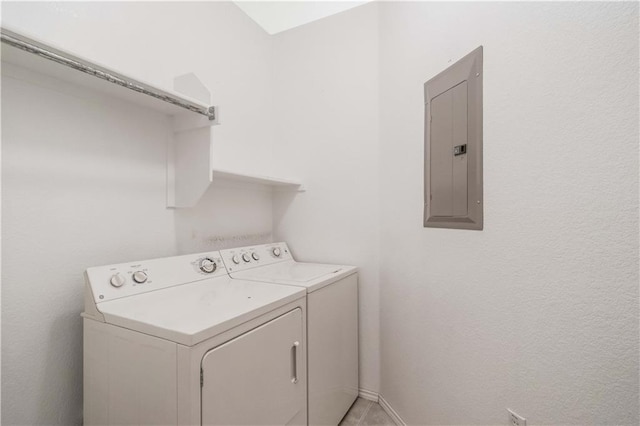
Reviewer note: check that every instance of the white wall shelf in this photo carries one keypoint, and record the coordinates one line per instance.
(274, 182)
(189, 160)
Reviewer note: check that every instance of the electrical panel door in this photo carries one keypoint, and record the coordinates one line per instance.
(453, 146)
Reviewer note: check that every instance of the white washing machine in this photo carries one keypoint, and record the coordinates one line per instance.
(176, 341)
(332, 321)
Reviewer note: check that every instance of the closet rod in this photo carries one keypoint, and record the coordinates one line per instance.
(51, 54)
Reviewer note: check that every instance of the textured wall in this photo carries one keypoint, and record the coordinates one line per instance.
(84, 177)
(326, 115)
(76, 193)
(538, 312)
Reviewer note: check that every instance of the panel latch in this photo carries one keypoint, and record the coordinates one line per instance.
(460, 149)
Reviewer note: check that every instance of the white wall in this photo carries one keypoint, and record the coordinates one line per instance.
(76, 193)
(326, 105)
(539, 311)
(278, 16)
(83, 177)
(227, 216)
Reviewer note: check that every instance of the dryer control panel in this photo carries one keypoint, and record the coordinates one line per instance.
(242, 258)
(129, 279)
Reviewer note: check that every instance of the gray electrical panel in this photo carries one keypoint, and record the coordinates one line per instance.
(453, 146)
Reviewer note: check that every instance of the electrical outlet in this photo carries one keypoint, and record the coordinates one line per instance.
(516, 420)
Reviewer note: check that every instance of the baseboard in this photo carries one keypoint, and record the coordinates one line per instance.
(376, 397)
(390, 411)
(368, 395)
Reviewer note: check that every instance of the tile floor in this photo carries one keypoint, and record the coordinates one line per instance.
(366, 413)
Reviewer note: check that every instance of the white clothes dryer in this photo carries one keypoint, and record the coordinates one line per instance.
(175, 341)
(332, 321)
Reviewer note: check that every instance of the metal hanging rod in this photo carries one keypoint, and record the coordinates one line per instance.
(51, 54)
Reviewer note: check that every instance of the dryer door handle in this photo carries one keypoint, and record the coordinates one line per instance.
(294, 362)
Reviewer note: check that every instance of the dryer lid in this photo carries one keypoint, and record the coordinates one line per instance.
(190, 313)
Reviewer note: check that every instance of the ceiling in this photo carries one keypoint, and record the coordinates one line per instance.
(278, 16)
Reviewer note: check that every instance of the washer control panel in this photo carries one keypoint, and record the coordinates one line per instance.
(242, 258)
(129, 279)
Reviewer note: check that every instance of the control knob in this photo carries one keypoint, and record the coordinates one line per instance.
(235, 259)
(246, 257)
(117, 280)
(276, 251)
(255, 256)
(208, 265)
(140, 277)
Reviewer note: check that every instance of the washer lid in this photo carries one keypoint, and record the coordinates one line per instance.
(190, 313)
(309, 275)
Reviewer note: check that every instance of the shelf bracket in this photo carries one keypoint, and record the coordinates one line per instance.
(189, 153)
